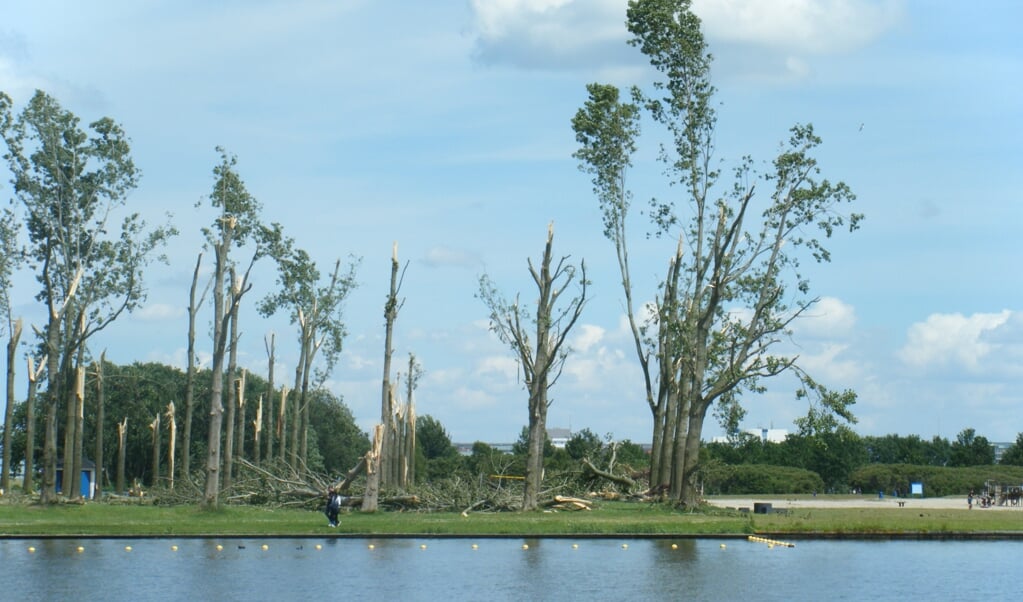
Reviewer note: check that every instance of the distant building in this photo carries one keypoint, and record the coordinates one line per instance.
(559, 436)
(1000, 449)
(765, 435)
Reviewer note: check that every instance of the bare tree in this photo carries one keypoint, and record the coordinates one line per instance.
(390, 457)
(190, 370)
(541, 358)
(271, 346)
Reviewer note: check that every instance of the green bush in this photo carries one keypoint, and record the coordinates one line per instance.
(754, 479)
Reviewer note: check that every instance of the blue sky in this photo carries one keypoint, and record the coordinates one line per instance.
(445, 127)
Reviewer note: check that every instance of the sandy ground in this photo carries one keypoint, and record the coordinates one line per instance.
(859, 502)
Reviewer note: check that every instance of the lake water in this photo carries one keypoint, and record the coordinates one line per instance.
(446, 570)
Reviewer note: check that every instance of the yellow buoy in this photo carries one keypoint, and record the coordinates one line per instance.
(319, 547)
(127, 548)
(371, 546)
(475, 547)
(525, 546)
(575, 546)
(422, 547)
(625, 546)
(674, 546)
(174, 548)
(31, 550)
(219, 547)
(265, 547)
(723, 546)
(81, 549)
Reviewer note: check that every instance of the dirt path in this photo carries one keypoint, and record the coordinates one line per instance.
(851, 502)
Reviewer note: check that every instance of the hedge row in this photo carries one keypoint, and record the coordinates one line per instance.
(938, 481)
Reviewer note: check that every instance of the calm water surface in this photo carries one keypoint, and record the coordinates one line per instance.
(501, 569)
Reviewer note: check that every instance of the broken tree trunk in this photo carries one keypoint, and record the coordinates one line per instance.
(369, 501)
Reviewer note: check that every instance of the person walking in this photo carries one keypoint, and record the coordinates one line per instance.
(333, 507)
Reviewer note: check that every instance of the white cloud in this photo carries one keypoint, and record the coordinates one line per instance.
(827, 367)
(801, 26)
(829, 317)
(557, 34)
(442, 256)
(504, 366)
(587, 336)
(472, 399)
(954, 341)
(549, 33)
(159, 312)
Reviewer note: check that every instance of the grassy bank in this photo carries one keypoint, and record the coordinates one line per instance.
(606, 519)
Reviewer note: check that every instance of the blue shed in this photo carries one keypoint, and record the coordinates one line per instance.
(88, 478)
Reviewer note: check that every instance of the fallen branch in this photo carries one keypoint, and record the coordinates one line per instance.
(617, 479)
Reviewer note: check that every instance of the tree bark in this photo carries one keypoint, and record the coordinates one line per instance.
(155, 427)
(12, 348)
(232, 386)
(388, 459)
(268, 443)
(122, 443)
(100, 419)
(211, 497)
(193, 308)
(78, 439)
(370, 497)
(28, 480)
(172, 440)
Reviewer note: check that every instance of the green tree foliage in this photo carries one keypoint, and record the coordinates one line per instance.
(1014, 455)
(139, 391)
(894, 449)
(316, 308)
(700, 351)
(971, 449)
(485, 461)
(584, 444)
(437, 456)
(339, 441)
(71, 183)
(939, 452)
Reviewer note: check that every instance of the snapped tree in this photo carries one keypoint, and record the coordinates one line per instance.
(542, 356)
(316, 307)
(237, 223)
(732, 286)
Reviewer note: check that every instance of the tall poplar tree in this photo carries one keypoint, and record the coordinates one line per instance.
(71, 183)
(732, 286)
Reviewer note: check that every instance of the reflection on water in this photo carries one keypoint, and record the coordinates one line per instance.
(445, 570)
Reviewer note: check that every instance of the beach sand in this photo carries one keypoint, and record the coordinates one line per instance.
(852, 502)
